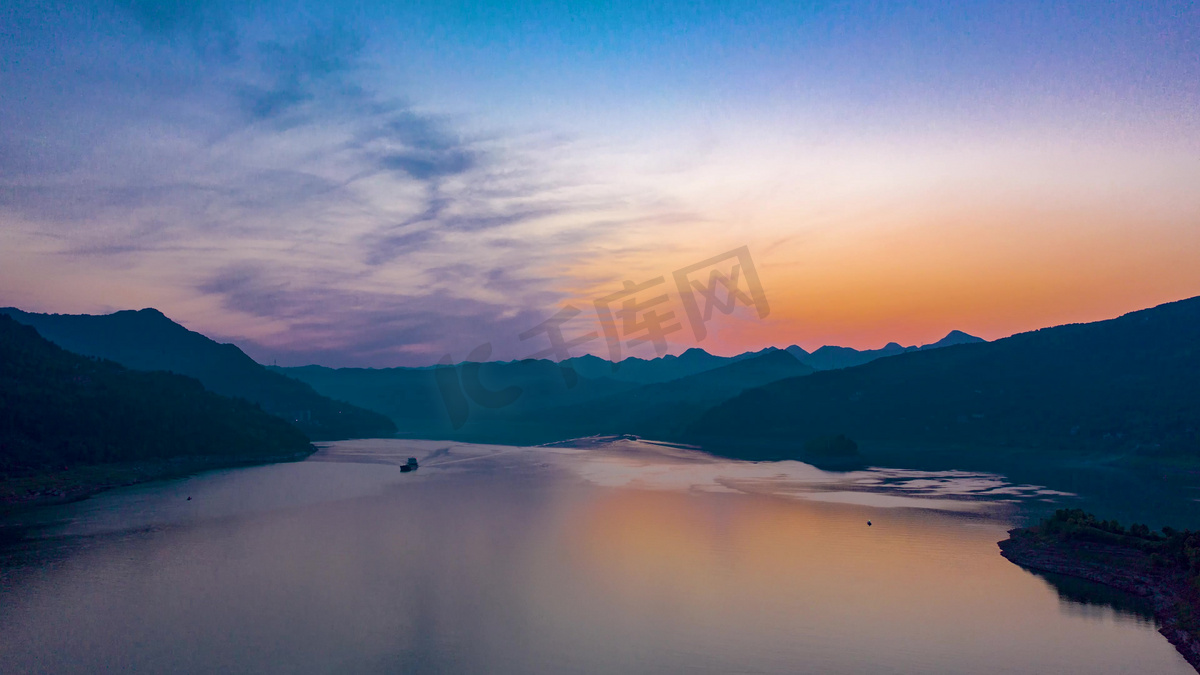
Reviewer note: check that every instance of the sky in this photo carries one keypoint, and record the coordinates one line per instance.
(384, 184)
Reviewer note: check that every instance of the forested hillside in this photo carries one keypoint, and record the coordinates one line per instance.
(148, 340)
(59, 408)
(1129, 385)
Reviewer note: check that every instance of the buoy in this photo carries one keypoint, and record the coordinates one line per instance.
(189, 499)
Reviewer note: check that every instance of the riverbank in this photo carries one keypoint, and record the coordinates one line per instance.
(22, 491)
(1174, 598)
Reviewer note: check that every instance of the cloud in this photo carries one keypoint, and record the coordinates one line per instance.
(390, 247)
(387, 328)
(428, 166)
(254, 168)
(300, 71)
(244, 287)
(208, 26)
(423, 148)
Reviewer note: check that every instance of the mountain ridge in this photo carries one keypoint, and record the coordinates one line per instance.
(147, 340)
(58, 407)
(1124, 385)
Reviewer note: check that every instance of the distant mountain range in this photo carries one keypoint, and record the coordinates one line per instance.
(695, 360)
(670, 398)
(649, 397)
(649, 371)
(835, 358)
(58, 408)
(420, 400)
(660, 410)
(1127, 385)
(148, 341)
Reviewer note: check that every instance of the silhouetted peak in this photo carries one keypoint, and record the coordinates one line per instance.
(833, 349)
(955, 337)
(149, 315)
(773, 356)
(148, 340)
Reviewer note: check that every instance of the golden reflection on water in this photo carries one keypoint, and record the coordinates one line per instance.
(916, 589)
(521, 567)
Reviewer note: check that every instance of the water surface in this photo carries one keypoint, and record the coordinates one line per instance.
(605, 557)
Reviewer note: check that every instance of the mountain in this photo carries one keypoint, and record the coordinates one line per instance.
(834, 358)
(57, 407)
(544, 403)
(148, 341)
(662, 410)
(418, 400)
(648, 371)
(955, 337)
(1127, 385)
(415, 401)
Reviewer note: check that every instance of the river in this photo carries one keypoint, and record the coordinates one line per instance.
(597, 557)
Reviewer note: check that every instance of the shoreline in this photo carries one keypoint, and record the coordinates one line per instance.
(1173, 599)
(24, 493)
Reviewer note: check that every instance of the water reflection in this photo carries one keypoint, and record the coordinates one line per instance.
(1093, 600)
(552, 560)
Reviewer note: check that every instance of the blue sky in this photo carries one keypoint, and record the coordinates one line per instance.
(382, 183)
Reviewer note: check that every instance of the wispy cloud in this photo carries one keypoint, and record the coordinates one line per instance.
(295, 73)
(262, 171)
(388, 327)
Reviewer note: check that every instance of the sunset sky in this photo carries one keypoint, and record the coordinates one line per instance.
(381, 183)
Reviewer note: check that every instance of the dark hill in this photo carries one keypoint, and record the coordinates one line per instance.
(412, 398)
(661, 410)
(648, 371)
(57, 407)
(954, 337)
(834, 358)
(146, 340)
(550, 406)
(1127, 385)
